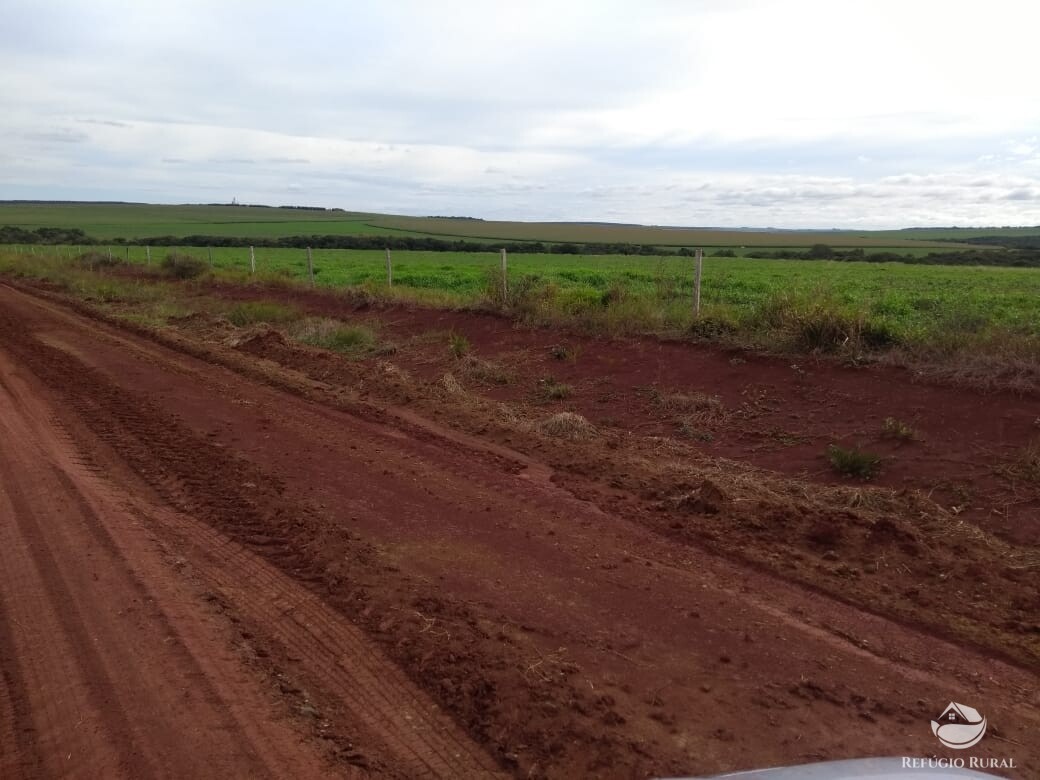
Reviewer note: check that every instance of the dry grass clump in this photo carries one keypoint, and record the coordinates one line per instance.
(565, 352)
(688, 402)
(696, 413)
(897, 429)
(458, 345)
(482, 370)
(451, 384)
(551, 390)
(567, 425)
(1026, 466)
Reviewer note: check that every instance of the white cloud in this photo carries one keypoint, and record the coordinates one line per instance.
(731, 113)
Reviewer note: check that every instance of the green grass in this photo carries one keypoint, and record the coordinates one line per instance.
(936, 312)
(906, 299)
(351, 340)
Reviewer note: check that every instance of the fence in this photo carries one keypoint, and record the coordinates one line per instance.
(463, 273)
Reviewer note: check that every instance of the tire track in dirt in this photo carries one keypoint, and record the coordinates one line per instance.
(99, 694)
(109, 684)
(334, 655)
(18, 750)
(402, 724)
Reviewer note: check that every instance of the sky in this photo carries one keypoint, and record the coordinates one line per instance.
(743, 113)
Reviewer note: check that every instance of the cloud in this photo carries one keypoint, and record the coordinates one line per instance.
(727, 113)
(58, 135)
(106, 122)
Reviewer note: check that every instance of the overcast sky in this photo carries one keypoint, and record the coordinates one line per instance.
(787, 114)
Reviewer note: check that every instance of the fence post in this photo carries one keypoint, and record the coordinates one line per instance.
(209, 253)
(110, 253)
(310, 266)
(699, 259)
(252, 261)
(128, 254)
(389, 269)
(147, 255)
(505, 277)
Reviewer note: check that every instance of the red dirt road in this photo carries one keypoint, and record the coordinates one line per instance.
(204, 575)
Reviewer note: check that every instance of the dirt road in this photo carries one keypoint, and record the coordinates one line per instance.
(204, 575)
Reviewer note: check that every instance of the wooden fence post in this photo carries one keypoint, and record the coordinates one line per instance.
(209, 252)
(699, 259)
(147, 255)
(389, 269)
(310, 266)
(505, 277)
(128, 254)
(252, 261)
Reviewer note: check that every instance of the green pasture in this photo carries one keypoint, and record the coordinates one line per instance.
(909, 300)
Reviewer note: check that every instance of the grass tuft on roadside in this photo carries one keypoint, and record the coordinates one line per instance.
(853, 462)
(567, 425)
(351, 340)
(253, 312)
(897, 430)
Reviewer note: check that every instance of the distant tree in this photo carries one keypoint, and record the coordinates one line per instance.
(821, 252)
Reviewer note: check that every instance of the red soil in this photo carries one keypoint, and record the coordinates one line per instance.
(293, 577)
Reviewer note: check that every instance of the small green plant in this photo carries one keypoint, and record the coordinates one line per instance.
(853, 462)
(898, 430)
(551, 390)
(458, 345)
(251, 312)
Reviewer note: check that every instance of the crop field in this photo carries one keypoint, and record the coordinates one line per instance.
(107, 221)
(657, 236)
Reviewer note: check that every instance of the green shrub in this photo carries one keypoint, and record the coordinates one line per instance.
(181, 266)
(816, 321)
(853, 462)
(713, 326)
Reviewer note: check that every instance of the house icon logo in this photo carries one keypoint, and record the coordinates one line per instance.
(959, 726)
